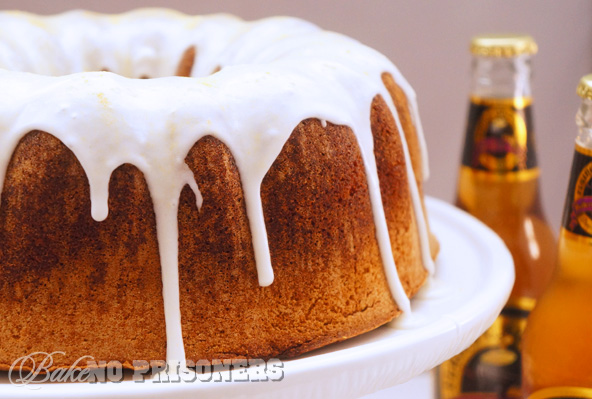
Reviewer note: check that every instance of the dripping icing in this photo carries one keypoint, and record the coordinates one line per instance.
(283, 69)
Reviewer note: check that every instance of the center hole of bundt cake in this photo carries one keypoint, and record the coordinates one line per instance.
(186, 62)
(184, 67)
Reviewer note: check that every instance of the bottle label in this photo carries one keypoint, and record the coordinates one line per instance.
(490, 367)
(499, 139)
(562, 393)
(577, 216)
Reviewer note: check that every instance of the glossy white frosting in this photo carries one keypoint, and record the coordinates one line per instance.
(275, 73)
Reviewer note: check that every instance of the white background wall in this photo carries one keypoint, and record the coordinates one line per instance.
(428, 40)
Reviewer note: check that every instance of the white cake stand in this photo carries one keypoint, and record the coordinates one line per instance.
(474, 278)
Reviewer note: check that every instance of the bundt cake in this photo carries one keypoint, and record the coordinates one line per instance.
(264, 203)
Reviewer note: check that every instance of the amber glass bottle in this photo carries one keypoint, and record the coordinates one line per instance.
(557, 350)
(499, 184)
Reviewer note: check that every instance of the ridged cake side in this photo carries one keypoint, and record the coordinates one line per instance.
(94, 288)
(265, 210)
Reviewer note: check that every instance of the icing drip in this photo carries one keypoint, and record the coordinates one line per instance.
(296, 70)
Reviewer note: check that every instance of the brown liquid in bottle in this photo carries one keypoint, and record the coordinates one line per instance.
(499, 185)
(557, 349)
(509, 204)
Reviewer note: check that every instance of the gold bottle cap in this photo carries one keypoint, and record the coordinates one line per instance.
(505, 45)
(584, 89)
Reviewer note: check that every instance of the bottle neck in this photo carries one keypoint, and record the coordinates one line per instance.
(575, 240)
(584, 122)
(495, 77)
(499, 165)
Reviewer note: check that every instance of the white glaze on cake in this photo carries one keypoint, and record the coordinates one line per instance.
(275, 73)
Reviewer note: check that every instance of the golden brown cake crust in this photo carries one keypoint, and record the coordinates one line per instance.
(94, 288)
(72, 284)
(329, 278)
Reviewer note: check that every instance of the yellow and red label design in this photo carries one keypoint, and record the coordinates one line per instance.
(577, 216)
(491, 367)
(499, 137)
